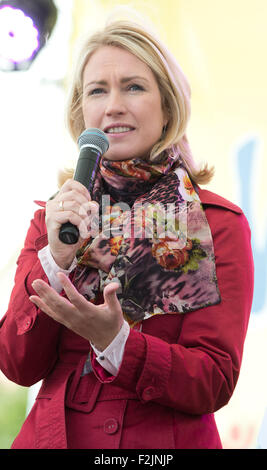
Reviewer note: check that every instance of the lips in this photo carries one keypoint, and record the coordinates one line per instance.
(118, 129)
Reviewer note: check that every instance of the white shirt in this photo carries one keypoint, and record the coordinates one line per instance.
(112, 356)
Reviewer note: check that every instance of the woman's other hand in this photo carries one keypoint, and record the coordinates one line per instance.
(71, 204)
(99, 324)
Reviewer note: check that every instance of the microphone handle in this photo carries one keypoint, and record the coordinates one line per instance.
(85, 173)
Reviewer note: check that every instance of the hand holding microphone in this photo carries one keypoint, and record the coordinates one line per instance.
(93, 143)
(63, 213)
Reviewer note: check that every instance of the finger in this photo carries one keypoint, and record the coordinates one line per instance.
(41, 286)
(73, 196)
(61, 214)
(42, 305)
(62, 314)
(70, 204)
(73, 295)
(53, 304)
(89, 226)
(49, 296)
(89, 207)
(75, 213)
(66, 216)
(54, 224)
(110, 296)
(72, 185)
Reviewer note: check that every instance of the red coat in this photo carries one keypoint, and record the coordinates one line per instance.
(174, 375)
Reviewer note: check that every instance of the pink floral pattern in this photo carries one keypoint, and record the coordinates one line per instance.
(158, 271)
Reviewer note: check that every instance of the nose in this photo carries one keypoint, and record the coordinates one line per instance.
(115, 104)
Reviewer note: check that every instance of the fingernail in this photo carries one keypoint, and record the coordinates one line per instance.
(36, 284)
(60, 276)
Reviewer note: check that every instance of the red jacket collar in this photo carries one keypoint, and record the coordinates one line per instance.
(210, 198)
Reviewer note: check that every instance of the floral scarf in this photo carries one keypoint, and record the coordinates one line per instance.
(155, 241)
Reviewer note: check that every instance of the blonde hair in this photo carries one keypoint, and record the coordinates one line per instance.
(173, 85)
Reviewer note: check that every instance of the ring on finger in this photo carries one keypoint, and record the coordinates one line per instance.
(61, 205)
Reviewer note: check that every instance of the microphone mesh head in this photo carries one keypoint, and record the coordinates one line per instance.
(94, 137)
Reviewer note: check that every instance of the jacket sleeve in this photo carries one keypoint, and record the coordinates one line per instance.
(198, 374)
(28, 337)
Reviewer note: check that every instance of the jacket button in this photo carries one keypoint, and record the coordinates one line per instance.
(26, 325)
(111, 426)
(148, 393)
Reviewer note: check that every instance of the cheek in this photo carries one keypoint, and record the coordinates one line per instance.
(87, 119)
(85, 113)
(89, 115)
(154, 124)
(154, 115)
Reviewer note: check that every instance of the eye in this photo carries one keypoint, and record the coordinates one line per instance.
(96, 91)
(135, 87)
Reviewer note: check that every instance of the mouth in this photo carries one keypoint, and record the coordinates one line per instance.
(119, 129)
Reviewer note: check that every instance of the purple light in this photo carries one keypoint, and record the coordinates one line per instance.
(18, 35)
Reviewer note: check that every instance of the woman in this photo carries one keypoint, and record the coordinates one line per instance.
(137, 335)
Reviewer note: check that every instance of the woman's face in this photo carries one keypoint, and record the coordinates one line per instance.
(122, 98)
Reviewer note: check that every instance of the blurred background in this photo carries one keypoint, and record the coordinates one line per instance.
(221, 48)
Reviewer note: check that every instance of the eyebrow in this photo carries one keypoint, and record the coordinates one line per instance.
(123, 80)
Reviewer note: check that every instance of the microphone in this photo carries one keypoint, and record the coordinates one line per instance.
(93, 143)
